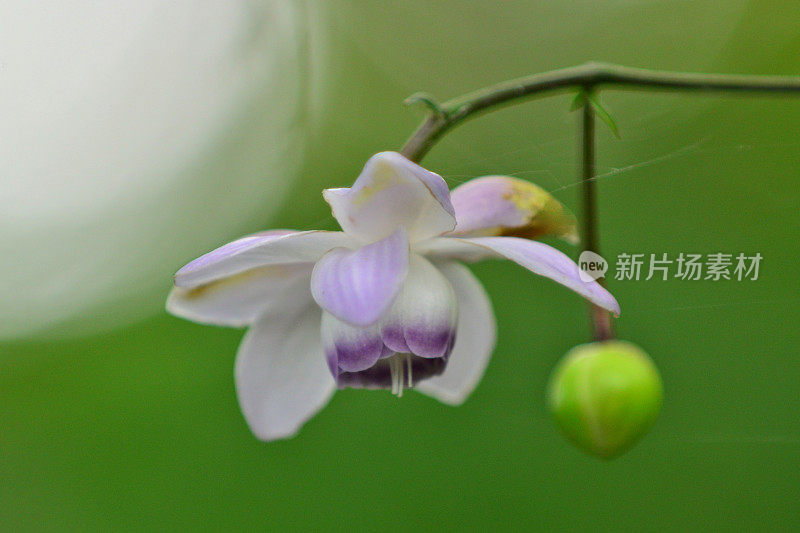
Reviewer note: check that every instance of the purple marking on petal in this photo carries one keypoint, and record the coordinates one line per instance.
(349, 348)
(424, 316)
(360, 355)
(430, 341)
(424, 340)
(359, 286)
(392, 335)
(387, 352)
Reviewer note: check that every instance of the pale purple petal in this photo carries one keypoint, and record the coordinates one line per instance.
(233, 248)
(257, 251)
(504, 205)
(350, 348)
(537, 257)
(474, 343)
(390, 192)
(359, 286)
(281, 376)
(240, 299)
(483, 204)
(422, 320)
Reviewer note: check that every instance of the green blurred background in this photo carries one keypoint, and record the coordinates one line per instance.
(137, 428)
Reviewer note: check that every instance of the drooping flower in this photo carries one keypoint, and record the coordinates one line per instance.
(385, 303)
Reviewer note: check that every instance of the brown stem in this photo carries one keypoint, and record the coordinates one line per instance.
(601, 319)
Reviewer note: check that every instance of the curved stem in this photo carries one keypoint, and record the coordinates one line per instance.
(589, 78)
(590, 75)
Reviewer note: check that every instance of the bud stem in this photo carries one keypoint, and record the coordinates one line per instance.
(600, 318)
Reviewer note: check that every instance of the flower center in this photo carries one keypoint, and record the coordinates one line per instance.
(400, 368)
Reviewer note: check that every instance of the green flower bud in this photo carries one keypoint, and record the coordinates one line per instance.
(605, 396)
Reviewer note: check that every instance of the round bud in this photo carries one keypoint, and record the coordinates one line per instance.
(605, 396)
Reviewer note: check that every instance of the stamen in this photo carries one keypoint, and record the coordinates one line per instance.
(400, 376)
(393, 370)
(401, 373)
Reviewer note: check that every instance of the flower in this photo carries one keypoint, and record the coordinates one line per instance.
(385, 303)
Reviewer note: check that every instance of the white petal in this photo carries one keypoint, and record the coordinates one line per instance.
(259, 250)
(475, 339)
(359, 286)
(281, 376)
(240, 299)
(537, 257)
(392, 191)
(422, 320)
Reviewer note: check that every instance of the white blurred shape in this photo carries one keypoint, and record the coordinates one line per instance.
(133, 136)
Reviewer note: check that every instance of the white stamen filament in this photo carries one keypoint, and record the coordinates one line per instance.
(393, 370)
(399, 371)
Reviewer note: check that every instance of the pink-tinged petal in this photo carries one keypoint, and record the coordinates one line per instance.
(390, 192)
(475, 339)
(537, 257)
(257, 251)
(281, 376)
(502, 205)
(359, 286)
(240, 299)
(350, 348)
(422, 320)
